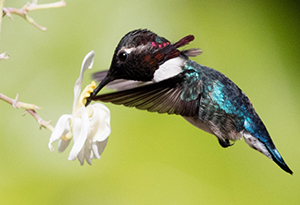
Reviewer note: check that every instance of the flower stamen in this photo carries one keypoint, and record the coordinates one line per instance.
(87, 92)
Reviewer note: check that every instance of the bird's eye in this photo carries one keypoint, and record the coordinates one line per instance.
(122, 56)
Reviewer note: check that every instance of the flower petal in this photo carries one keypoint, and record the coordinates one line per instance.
(98, 148)
(87, 63)
(80, 133)
(63, 144)
(99, 129)
(100, 123)
(62, 127)
(87, 151)
(95, 153)
(101, 146)
(80, 157)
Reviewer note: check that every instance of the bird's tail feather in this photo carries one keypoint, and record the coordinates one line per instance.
(279, 160)
(268, 149)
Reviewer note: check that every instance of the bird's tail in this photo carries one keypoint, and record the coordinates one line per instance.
(267, 147)
(279, 160)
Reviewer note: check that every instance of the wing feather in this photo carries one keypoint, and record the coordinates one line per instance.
(161, 97)
(119, 84)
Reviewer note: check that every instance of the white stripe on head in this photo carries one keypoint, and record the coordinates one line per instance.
(128, 50)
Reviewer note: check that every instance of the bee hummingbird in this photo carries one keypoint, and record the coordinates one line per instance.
(150, 73)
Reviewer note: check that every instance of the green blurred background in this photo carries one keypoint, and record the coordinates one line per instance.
(151, 158)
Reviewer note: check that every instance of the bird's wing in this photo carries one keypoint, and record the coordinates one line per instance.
(119, 84)
(172, 96)
(99, 76)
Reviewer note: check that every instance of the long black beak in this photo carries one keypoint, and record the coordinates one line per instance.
(108, 78)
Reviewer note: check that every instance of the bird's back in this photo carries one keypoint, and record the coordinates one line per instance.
(225, 111)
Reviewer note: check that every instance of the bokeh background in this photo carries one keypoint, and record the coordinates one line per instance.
(151, 158)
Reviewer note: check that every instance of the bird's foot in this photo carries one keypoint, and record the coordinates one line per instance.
(225, 143)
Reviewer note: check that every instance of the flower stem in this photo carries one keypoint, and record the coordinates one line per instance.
(1, 13)
(30, 108)
(32, 7)
(23, 12)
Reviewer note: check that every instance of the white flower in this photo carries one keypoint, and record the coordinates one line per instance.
(89, 126)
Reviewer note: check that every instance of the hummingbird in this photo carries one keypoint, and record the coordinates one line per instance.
(151, 73)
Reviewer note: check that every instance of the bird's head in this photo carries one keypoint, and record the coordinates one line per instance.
(139, 54)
